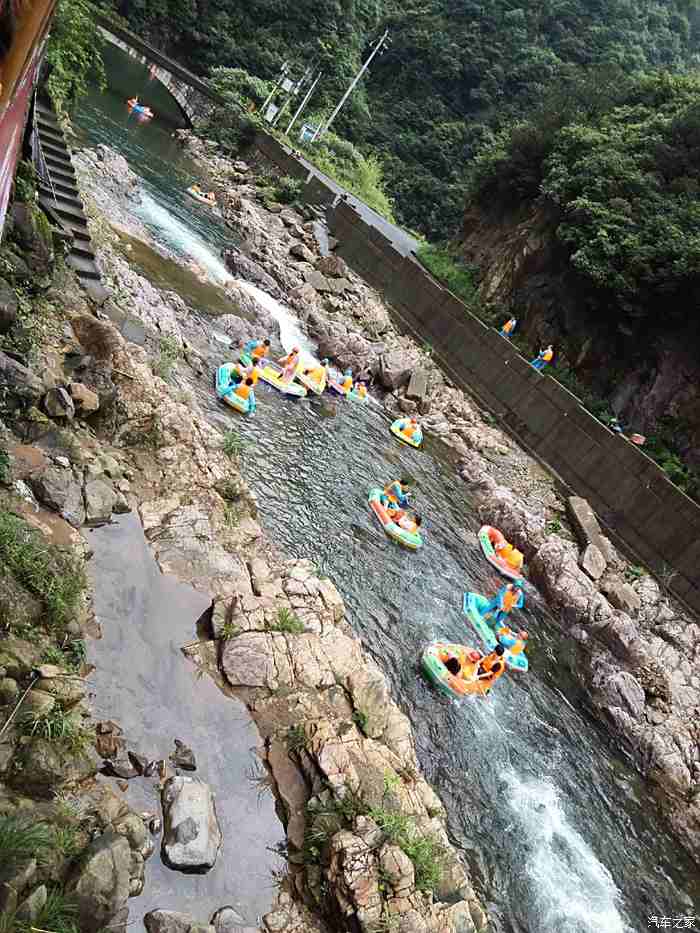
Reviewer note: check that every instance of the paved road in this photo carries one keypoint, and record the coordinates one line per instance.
(403, 242)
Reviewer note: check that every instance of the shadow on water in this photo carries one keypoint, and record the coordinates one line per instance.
(558, 830)
(144, 682)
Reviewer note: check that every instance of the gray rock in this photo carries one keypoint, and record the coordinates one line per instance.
(121, 767)
(100, 499)
(592, 562)
(140, 762)
(333, 266)
(619, 689)
(183, 757)
(8, 306)
(100, 883)
(417, 389)
(59, 404)
(394, 369)
(620, 594)
(397, 868)
(56, 488)
(192, 836)
(30, 908)
(338, 286)
(9, 691)
(36, 704)
(227, 920)
(18, 381)
(300, 251)
(584, 522)
(135, 831)
(371, 698)
(318, 281)
(17, 881)
(168, 921)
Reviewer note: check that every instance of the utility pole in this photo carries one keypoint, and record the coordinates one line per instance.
(280, 79)
(292, 92)
(378, 47)
(303, 103)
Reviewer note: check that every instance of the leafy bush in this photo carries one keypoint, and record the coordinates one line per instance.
(288, 622)
(21, 839)
(59, 726)
(287, 190)
(53, 575)
(424, 851)
(448, 269)
(169, 352)
(232, 444)
(74, 54)
(5, 471)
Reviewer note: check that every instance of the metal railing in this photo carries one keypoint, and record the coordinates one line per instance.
(38, 159)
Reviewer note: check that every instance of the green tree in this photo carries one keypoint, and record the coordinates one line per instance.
(74, 53)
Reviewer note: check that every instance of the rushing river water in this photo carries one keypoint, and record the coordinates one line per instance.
(559, 832)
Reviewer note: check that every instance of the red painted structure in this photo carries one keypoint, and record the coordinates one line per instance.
(24, 29)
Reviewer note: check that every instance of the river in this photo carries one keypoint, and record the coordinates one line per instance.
(559, 831)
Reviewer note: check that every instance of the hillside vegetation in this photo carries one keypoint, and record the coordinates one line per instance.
(456, 69)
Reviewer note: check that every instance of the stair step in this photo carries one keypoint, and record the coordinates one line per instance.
(83, 248)
(49, 131)
(55, 149)
(85, 268)
(59, 189)
(62, 165)
(60, 174)
(75, 217)
(47, 116)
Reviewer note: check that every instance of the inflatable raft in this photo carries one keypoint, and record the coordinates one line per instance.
(488, 538)
(200, 197)
(313, 385)
(402, 437)
(271, 373)
(225, 392)
(474, 606)
(409, 539)
(335, 384)
(433, 664)
(356, 397)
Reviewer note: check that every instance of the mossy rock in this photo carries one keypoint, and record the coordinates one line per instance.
(17, 606)
(18, 656)
(47, 766)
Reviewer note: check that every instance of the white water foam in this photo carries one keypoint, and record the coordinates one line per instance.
(291, 334)
(573, 890)
(181, 238)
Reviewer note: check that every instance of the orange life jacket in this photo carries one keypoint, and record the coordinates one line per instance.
(347, 383)
(547, 355)
(361, 391)
(409, 430)
(259, 352)
(254, 374)
(510, 598)
(509, 325)
(243, 390)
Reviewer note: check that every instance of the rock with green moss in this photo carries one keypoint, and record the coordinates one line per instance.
(18, 656)
(8, 306)
(18, 608)
(9, 691)
(49, 765)
(100, 882)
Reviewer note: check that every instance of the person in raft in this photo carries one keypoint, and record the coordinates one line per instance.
(347, 380)
(396, 493)
(508, 328)
(512, 641)
(257, 349)
(235, 377)
(401, 518)
(317, 372)
(409, 428)
(361, 389)
(507, 599)
(245, 390)
(511, 555)
(133, 101)
(289, 362)
(491, 667)
(543, 357)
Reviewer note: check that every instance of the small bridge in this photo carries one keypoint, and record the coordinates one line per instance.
(193, 95)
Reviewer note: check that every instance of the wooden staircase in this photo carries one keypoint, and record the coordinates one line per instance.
(59, 197)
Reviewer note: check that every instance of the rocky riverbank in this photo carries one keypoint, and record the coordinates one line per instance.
(638, 652)
(93, 429)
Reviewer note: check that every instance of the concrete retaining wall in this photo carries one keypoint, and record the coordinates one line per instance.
(631, 494)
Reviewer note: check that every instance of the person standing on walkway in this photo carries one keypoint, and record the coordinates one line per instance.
(542, 358)
(508, 328)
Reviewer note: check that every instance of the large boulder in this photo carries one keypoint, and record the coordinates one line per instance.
(17, 656)
(302, 252)
(51, 765)
(100, 882)
(16, 381)
(8, 306)
(584, 522)
(354, 880)
(172, 921)
(620, 594)
(592, 562)
(57, 488)
(240, 266)
(59, 404)
(192, 837)
(333, 266)
(371, 699)
(395, 368)
(616, 689)
(85, 400)
(100, 499)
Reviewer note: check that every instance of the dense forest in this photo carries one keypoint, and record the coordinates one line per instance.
(455, 70)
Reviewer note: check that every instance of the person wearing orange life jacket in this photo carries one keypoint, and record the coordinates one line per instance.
(403, 519)
(245, 391)
(543, 357)
(396, 492)
(510, 597)
(257, 349)
(508, 328)
(290, 362)
(133, 101)
(514, 642)
(317, 373)
(512, 556)
(409, 428)
(346, 384)
(361, 389)
(491, 667)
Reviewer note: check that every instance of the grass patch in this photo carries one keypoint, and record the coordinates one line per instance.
(634, 572)
(448, 269)
(296, 738)
(67, 840)
(54, 575)
(21, 840)
(229, 631)
(553, 527)
(287, 622)
(59, 727)
(232, 444)
(169, 352)
(424, 851)
(58, 915)
(359, 717)
(232, 514)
